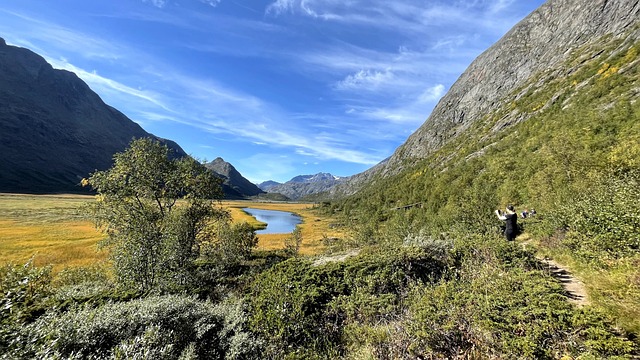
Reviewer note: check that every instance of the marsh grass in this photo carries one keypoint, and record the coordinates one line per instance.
(58, 230)
(53, 229)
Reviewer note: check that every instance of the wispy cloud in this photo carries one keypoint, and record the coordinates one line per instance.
(432, 94)
(106, 85)
(60, 37)
(157, 3)
(320, 80)
(365, 80)
(162, 3)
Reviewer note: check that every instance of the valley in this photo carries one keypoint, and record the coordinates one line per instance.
(57, 229)
(405, 260)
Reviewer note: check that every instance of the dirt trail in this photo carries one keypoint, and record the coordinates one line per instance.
(575, 290)
(336, 257)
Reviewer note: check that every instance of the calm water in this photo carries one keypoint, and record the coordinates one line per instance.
(278, 222)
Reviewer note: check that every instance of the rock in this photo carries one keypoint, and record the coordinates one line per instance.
(540, 42)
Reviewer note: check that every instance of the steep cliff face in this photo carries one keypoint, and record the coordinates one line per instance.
(539, 43)
(54, 130)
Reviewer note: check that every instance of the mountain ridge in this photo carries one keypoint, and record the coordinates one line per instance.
(234, 185)
(56, 130)
(541, 41)
(303, 185)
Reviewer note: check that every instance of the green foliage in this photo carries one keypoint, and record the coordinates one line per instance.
(584, 123)
(493, 301)
(292, 243)
(603, 224)
(154, 240)
(228, 245)
(301, 308)
(24, 289)
(519, 313)
(158, 327)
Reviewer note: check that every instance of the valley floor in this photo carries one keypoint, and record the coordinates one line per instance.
(57, 230)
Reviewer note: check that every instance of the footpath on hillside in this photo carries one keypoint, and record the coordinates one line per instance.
(575, 290)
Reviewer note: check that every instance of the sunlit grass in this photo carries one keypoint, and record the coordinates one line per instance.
(54, 230)
(57, 229)
(615, 290)
(314, 228)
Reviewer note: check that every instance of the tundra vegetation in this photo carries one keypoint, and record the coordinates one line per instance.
(435, 281)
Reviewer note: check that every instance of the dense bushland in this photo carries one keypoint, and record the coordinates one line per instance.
(573, 157)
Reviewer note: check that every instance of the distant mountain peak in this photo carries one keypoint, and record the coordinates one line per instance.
(234, 184)
(303, 185)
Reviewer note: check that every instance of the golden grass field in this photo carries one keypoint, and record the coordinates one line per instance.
(56, 230)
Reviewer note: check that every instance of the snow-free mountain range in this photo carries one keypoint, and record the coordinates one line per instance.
(54, 130)
(303, 185)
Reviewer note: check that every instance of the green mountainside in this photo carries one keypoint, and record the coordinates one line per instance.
(577, 126)
(537, 49)
(567, 143)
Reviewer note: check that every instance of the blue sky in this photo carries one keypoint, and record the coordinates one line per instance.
(278, 88)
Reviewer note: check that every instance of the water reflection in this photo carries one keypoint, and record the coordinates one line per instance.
(278, 222)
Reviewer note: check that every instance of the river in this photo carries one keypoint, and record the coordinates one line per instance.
(278, 222)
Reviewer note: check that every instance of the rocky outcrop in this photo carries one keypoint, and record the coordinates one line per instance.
(541, 42)
(234, 185)
(54, 130)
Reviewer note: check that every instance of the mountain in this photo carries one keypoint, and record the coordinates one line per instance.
(234, 185)
(537, 50)
(54, 130)
(303, 185)
(319, 177)
(266, 185)
(547, 118)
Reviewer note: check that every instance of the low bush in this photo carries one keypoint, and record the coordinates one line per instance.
(158, 327)
(24, 290)
(301, 308)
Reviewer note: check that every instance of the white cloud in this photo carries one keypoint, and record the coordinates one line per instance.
(500, 5)
(212, 3)
(432, 94)
(162, 3)
(365, 80)
(157, 3)
(103, 84)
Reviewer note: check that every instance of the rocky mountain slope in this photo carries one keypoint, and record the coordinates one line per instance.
(54, 130)
(304, 185)
(234, 186)
(539, 44)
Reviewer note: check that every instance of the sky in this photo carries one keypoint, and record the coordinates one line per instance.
(278, 88)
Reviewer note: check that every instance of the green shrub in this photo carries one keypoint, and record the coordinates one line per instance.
(499, 304)
(165, 327)
(24, 290)
(604, 222)
(299, 307)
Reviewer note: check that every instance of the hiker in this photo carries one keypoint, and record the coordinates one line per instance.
(511, 222)
(524, 214)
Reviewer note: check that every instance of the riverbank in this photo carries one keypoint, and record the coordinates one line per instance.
(314, 228)
(57, 229)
